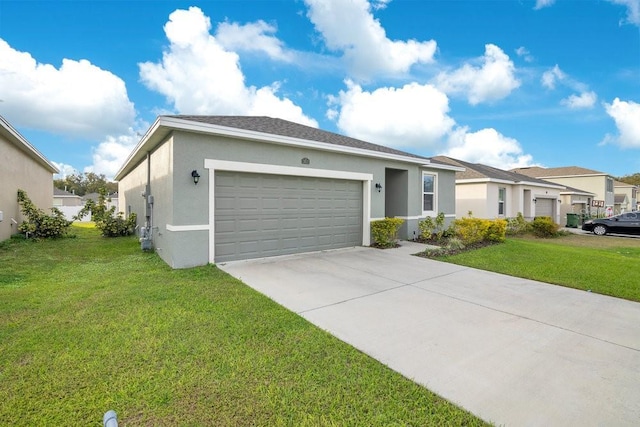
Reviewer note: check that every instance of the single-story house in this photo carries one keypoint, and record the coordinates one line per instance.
(210, 189)
(575, 201)
(490, 192)
(112, 200)
(25, 168)
(65, 198)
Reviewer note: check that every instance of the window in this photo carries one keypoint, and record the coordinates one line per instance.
(428, 192)
(502, 197)
(609, 185)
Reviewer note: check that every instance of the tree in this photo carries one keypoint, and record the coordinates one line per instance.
(86, 183)
(630, 179)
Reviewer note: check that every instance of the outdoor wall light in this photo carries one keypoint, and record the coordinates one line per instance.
(196, 176)
(534, 200)
(378, 186)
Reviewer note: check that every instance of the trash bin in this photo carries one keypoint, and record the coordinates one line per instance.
(572, 220)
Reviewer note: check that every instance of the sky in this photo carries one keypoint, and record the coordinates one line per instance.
(506, 83)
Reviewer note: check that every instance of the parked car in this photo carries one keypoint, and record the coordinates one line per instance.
(626, 223)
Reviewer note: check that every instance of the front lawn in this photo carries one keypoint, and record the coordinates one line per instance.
(89, 324)
(606, 265)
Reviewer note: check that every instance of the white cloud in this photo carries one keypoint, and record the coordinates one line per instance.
(487, 146)
(540, 4)
(78, 99)
(252, 37)
(65, 170)
(111, 153)
(199, 76)
(584, 100)
(493, 80)
(633, 10)
(350, 27)
(414, 116)
(552, 76)
(626, 114)
(524, 53)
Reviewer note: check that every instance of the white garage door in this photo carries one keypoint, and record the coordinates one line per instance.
(261, 215)
(544, 207)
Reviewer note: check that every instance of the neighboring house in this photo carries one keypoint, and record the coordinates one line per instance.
(23, 167)
(222, 188)
(490, 192)
(631, 193)
(588, 180)
(69, 204)
(574, 200)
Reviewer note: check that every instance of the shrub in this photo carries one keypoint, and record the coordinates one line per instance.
(543, 226)
(385, 232)
(432, 229)
(476, 230)
(517, 226)
(38, 224)
(110, 224)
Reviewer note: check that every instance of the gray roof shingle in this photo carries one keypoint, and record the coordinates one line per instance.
(275, 126)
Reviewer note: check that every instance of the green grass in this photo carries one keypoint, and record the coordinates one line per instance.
(606, 265)
(89, 324)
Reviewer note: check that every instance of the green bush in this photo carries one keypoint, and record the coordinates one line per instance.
(431, 229)
(543, 226)
(517, 226)
(385, 232)
(110, 224)
(475, 230)
(38, 224)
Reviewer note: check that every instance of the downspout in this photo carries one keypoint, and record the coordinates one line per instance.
(146, 241)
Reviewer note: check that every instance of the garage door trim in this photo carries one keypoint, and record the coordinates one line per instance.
(224, 165)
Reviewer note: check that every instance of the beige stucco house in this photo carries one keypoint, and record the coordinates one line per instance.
(23, 167)
(600, 184)
(490, 192)
(626, 197)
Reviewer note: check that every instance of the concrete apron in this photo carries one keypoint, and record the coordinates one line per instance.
(512, 351)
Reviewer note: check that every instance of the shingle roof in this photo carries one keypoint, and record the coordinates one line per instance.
(275, 126)
(480, 171)
(63, 193)
(619, 198)
(538, 172)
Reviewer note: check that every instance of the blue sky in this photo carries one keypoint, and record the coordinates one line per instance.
(507, 83)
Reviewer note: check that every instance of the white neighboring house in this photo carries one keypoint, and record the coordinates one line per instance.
(112, 200)
(490, 192)
(626, 197)
(25, 168)
(68, 203)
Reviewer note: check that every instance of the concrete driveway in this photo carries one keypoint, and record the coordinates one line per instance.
(512, 351)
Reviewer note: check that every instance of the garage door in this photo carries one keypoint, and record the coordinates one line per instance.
(261, 215)
(544, 207)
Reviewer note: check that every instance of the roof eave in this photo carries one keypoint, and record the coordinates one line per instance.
(20, 140)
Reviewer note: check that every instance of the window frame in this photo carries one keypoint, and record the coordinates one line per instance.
(502, 203)
(434, 193)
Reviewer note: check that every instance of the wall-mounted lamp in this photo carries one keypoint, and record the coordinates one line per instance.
(378, 186)
(196, 176)
(534, 200)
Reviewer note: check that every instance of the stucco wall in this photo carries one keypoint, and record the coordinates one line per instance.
(21, 171)
(181, 208)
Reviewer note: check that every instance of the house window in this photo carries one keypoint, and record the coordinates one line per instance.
(502, 197)
(609, 185)
(428, 192)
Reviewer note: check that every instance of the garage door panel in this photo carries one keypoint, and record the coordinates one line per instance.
(264, 215)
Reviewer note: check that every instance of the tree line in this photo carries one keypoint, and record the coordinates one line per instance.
(86, 183)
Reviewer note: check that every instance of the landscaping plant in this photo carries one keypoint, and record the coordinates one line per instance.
(385, 232)
(107, 221)
(38, 224)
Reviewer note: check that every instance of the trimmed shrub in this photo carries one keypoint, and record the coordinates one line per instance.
(543, 226)
(432, 229)
(38, 224)
(517, 226)
(385, 232)
(476, 230)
